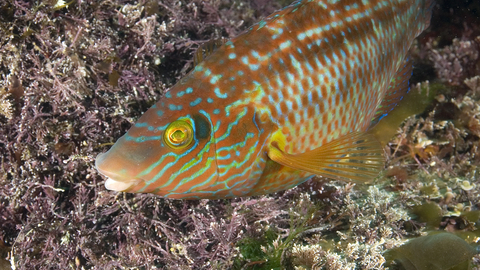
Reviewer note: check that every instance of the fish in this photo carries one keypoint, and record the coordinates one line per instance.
(294, 96)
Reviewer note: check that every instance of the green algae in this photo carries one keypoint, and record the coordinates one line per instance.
(271, 247)
(437, 251)
(251, 251)
(429, 213)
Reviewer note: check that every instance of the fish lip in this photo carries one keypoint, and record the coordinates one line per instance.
(120, 185)
(114, 185)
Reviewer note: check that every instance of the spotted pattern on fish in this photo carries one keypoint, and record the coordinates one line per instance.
(306, 76)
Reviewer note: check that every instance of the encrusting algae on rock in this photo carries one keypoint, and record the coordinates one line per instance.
(292, 97)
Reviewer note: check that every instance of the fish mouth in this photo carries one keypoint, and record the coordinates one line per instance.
(116, 181)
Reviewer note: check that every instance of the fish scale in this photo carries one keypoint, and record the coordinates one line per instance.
(291, 97)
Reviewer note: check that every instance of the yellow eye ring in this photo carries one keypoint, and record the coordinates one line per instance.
(178, 135)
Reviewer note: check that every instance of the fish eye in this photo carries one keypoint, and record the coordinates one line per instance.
(178, 135)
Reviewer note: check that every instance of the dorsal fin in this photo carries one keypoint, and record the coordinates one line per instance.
(427, 12)
(206, 49)
(398, 87)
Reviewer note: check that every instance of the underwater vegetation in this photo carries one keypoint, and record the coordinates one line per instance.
(74, 78)
(437, 251)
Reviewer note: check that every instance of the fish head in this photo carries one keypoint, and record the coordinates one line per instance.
(170, 152)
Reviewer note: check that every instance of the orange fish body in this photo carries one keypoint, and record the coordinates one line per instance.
(290, 98)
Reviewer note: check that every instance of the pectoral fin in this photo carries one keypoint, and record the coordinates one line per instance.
(357, 156)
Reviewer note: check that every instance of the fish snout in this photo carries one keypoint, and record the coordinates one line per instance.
(118, 176)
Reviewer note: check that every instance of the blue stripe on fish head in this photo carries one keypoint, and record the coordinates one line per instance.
(170, 151)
